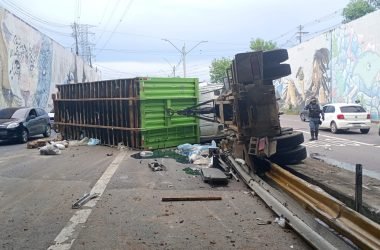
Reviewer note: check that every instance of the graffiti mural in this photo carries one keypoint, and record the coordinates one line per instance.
(342, 65)
(31, 64)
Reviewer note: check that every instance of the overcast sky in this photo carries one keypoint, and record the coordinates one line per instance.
(128, 33)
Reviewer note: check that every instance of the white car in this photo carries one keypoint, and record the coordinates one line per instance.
(345, 116)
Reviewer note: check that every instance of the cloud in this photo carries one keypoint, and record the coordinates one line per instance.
(131, 69)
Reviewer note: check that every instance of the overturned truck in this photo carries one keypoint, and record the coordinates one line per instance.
(248, 108)
(151, 113)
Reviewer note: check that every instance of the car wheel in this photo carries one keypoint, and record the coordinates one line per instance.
(24, 136)
(303, 118)
(333, 128)
(364, 130)
(47, 131)
(292, 156)
(289, 141)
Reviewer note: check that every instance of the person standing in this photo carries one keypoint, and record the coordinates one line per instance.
(315, 114)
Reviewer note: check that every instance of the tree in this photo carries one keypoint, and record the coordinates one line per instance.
(260, 44)
(218, 69)
(375, 3)
(358, 8)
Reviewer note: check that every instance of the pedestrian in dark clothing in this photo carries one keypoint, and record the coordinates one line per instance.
(315, 114)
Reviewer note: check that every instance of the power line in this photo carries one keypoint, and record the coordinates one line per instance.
(184, 53)
(117, 25)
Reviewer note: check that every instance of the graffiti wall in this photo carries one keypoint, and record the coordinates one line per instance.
(342, 65)
(32, 64)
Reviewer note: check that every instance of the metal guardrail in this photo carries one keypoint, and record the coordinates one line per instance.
(359, 229)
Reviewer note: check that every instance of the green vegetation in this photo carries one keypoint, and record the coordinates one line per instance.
(260, 44)
(359, 8)
(218, 69)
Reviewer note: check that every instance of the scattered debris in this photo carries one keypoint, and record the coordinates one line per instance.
(280, 221)
(86, 197)
(146, 153)
(214, 176)
(109, 154)
(50, 150)
(58, 145)
(263, 222)
(197, 154)
(192, 171)
(76, 143)
(155, 166)
(36, 144)
(93, 142)
(206, 198)
(64, 142)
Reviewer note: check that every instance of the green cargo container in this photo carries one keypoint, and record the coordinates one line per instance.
(133, 111)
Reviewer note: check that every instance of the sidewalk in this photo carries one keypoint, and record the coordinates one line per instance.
(340, 183)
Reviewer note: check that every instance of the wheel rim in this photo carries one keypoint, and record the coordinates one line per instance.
(333, 127)
(24, 136)
(48, 130)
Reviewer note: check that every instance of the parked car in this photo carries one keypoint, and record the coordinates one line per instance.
(345, 116)
(21, 123)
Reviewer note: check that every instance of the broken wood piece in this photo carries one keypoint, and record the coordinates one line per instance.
(207, 198)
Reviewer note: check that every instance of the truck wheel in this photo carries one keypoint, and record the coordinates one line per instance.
(292, 156)
(288, 141)
(286, 130)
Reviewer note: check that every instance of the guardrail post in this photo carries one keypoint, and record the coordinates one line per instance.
(358, 187)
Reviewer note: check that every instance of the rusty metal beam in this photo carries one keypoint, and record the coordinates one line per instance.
(98, 126)
(359, 229)
(99, 99)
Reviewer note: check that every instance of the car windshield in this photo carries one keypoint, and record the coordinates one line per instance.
(352, 109)
(15, 113)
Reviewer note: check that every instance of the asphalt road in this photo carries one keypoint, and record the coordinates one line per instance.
(37, 191)
(346, 148)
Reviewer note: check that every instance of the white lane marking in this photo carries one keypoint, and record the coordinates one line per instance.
(341, 139)
(65, 238)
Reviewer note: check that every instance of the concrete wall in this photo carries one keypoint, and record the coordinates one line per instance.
(32, 64)
(342, 65)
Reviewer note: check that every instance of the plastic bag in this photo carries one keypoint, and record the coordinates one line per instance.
(50, 150)
(93, 142)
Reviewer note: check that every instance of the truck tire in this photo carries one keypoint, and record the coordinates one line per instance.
(289, 141)
(286, 130)
(292, 156)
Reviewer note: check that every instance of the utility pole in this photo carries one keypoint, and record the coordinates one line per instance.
(183, 53)
(300, 33)
(75, 34)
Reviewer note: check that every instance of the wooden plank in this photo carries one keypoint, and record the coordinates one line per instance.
(198, 198)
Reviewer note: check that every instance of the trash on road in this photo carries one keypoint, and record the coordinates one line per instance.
(86, 197)
(36, 144)
(214, 176)
(76, 143)
(93, 142)
(146, 153)
(50, 150)
(192, 171)
(155, 166)
(197, 154)
(280, 221)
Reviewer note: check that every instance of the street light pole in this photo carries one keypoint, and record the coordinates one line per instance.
(183, 53)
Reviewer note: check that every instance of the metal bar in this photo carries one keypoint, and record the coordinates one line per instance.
(296, 223)
(100, 99)
(359, 229)
(358, 187)
(97, 126)
(208, 198)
